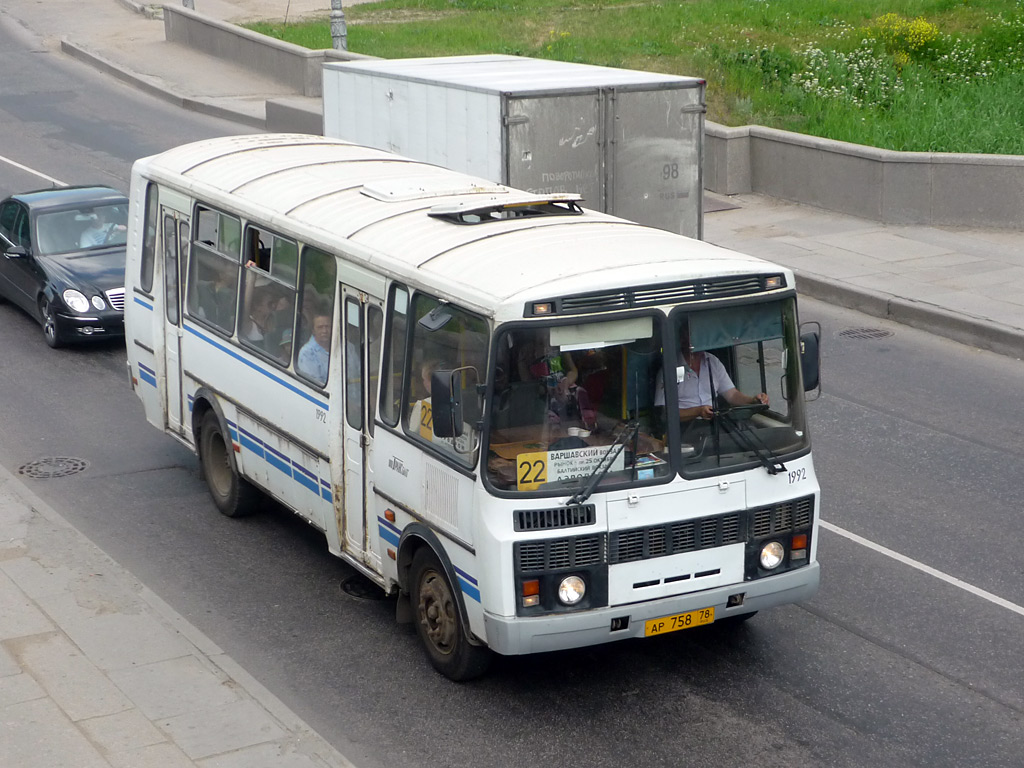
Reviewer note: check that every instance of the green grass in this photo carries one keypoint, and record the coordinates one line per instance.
(917, 75)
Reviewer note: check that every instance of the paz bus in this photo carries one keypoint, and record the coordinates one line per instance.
(472, 391)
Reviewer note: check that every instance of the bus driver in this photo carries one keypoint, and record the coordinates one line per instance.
(704, 374)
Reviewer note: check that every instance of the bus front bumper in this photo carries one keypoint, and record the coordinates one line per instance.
(513, 636)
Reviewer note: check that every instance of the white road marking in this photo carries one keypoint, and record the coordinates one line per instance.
(1002, 603)
(25, 168)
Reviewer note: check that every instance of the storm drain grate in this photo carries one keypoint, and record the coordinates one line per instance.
(865, 333)
(52, 466)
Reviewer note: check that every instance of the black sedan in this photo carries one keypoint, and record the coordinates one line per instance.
(62, 257)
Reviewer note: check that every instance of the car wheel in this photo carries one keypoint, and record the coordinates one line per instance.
(232, 493)
(49, 319)
(439, 623)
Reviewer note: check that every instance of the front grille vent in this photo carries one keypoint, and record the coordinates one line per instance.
(658, 295)
(674, 538)
(558, 554)
(559, 517)
(116, 298)
(783, 518)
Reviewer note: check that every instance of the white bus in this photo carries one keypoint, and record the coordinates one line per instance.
(463, 386)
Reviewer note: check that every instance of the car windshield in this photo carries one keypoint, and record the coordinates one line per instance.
(738, 390)
(94, 226)
(572, 407)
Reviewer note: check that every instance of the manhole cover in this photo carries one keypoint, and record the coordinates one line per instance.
(361, 588)
(865, 333)
(53, 466)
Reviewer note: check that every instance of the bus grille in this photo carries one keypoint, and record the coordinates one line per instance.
(116, 298)
(673, 538)
(783, 518)
(559, 517)
(672, 293)
(556, 554)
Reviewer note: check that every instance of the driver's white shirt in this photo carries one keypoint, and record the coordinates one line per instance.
(694, 389)
(97, 236)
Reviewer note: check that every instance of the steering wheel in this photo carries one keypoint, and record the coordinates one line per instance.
(744, 412)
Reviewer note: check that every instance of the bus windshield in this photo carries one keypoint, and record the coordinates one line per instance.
(574, 400)
(742, 365)
(586, 403)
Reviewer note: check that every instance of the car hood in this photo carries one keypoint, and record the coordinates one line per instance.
(99, 269)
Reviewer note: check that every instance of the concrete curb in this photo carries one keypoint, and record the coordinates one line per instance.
(147, 85)
(975, 332)
(316, 746)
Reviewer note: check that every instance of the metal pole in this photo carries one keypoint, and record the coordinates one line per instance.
(339, 30)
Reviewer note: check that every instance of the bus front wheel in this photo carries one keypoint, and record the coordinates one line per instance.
(439, 623)
(232, 494)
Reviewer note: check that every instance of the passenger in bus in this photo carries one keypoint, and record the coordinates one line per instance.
(256, 324)
(538, 360)
(314, 357)
(284, 346)
(704, 373)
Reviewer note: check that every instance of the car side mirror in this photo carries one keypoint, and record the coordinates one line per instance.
(16, 252)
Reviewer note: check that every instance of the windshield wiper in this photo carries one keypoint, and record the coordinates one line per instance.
(604, 465)
(746, 440)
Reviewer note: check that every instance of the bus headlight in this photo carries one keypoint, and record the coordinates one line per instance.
(772, 555)
(571, 590)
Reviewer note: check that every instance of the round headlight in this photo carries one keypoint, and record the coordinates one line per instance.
(772, 555)
(97, 301)
(76, 300)
(571, 590)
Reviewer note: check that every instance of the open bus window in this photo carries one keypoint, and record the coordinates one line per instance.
(563, 394)
(445, 338)
(728, 357)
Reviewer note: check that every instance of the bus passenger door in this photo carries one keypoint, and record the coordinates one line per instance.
(175, 244)
(362, 322)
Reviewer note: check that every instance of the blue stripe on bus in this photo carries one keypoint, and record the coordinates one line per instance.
(143, 304)
(273, 377)
(325, 490)
(464, 575)
(147, 374)
(388, 532)
(469, 590)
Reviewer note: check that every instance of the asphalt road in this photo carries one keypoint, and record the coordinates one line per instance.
(917, 445)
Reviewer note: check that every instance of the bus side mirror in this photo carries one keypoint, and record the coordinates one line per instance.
(810, 360)
(446, 404)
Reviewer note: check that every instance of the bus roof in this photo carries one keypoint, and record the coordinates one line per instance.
(381, 204)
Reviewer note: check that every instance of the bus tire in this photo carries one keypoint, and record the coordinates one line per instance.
(439, 622)
(233, 494)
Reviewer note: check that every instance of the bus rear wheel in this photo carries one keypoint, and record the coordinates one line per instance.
(233, 495)
(439, 622)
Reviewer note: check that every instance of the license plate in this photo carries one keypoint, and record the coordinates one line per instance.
(679, 621)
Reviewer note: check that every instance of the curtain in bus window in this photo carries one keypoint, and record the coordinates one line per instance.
(726, 327)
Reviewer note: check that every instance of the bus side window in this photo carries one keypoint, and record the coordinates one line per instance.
(214, 268)
(268, 313)
(149, 240)
(316, 301)
(394, 356)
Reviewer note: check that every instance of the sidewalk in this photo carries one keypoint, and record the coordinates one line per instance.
(97, 671)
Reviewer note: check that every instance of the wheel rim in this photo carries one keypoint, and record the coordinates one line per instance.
(49, 322)
(218, 465)
(437, 612)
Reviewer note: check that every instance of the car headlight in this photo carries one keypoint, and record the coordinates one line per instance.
(772, 555)
(76, 300)
(97, 301)
(571, 590)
